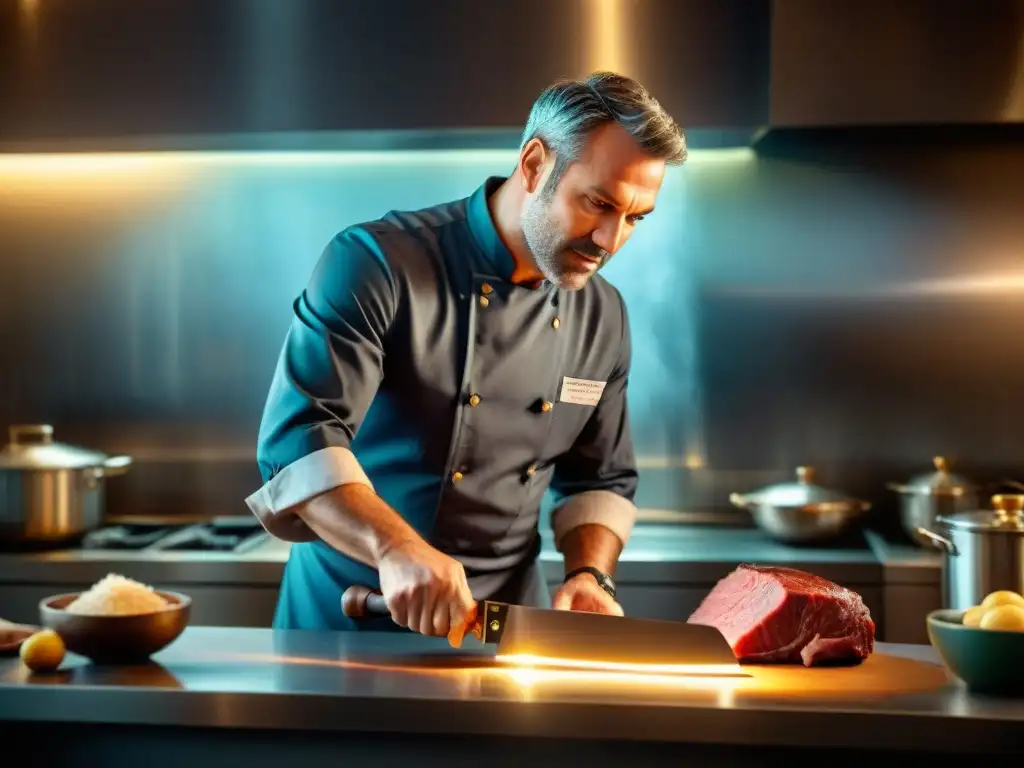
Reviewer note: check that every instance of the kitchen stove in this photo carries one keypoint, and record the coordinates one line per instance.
(236, 534)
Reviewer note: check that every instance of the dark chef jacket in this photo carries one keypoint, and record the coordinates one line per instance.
(414, 366)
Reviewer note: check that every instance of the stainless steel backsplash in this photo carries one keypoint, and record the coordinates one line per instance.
(858, 310)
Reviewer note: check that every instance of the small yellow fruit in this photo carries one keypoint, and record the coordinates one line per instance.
(1005, 617)
(43, 651)
(972, 617)
(1002, 597)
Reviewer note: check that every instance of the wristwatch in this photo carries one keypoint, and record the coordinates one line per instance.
(603, 579)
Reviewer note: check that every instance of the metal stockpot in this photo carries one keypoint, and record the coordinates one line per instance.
(984, 551)
(50, 491)
(801, 512)
(930, 496)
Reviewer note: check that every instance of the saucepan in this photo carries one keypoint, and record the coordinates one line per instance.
(983, 551)
(50, 491)
(931, 495)
(802, 511)
(939, 494)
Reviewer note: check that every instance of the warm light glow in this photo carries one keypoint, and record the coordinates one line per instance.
(1014, 109)
(73, 165)
(1006, 282)
(524, 682)
(89, 163)
(135, 162)
(645, 671)
(127, 184)
(132, 179)
(721, 155)
(85, 184)
(534, 668)
(995, 284)
(692, 460)
(609, 46)
(532, 678)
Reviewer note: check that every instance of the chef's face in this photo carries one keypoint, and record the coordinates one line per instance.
(573, 225)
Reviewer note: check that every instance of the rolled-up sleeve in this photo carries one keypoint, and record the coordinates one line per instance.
(596, 481)
(326, 377)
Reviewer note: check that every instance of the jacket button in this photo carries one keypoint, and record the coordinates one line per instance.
(555, 323)
(548, 405)
(474, 400)
(486, 288)
(531, 470)
(484, 301)
(456, 477)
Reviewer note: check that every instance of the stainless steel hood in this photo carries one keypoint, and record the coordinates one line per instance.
(896, 62)
(253, 73)
(135, 74)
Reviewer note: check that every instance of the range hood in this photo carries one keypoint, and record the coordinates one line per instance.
(254, 74)
(896, 62)
(386, 73)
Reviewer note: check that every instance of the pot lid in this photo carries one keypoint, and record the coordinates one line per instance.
(941, 481)
(799, 493)
(1006, 516)
(31, 446)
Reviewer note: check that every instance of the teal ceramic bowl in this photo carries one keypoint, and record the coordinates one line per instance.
(988, 661)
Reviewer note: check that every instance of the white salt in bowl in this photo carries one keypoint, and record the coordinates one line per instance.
(117, 638)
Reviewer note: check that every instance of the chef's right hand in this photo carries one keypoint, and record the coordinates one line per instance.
(425, 590)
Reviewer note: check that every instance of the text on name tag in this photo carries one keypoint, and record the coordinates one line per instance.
(581, 391)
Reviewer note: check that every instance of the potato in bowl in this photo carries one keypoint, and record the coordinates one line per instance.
(983, 645)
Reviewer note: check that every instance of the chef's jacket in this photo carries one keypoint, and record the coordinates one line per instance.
(414, 366)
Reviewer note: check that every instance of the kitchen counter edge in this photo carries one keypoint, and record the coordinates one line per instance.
(947, 719)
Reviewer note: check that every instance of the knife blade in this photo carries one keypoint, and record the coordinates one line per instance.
(527, 636)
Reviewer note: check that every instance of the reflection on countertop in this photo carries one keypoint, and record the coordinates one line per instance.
(229, 678)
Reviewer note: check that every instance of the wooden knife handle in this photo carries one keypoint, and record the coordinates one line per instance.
(364, 603)
(358, 602)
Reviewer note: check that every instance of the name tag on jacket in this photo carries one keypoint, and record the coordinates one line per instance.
(581, 391)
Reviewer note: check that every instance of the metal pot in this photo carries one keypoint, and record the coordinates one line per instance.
(929, 496)
(50, 491)
(801, 512)
(984, 551)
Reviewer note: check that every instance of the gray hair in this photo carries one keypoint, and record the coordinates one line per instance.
(568, 111)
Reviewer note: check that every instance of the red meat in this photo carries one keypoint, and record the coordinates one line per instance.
(773, 614)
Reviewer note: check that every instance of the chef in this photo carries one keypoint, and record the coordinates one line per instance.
(445, 368)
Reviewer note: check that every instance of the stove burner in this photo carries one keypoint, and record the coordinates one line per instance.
(134, 536)
(222, 534)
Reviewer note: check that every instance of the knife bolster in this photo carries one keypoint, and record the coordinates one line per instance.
(492, 621)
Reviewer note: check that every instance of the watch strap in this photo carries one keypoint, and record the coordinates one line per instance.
(603, 579)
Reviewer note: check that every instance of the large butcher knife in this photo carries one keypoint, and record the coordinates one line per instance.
(574, 639)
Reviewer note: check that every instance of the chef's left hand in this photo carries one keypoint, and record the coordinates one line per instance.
(582, 593)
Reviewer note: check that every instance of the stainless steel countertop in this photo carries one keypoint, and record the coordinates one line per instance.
(289, 680)
(906, 563)
(656, 554)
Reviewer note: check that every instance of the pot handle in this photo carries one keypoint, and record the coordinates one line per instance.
(738, 500)
(27, 434)
(939, 541)
(898, 487)
(115, 465)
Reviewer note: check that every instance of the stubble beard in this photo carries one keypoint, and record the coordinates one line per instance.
(548, 246)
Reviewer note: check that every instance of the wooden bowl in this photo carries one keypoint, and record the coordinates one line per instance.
(987, 660)
(116, 639)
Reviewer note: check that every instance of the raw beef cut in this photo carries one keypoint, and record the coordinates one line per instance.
(773, 614)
